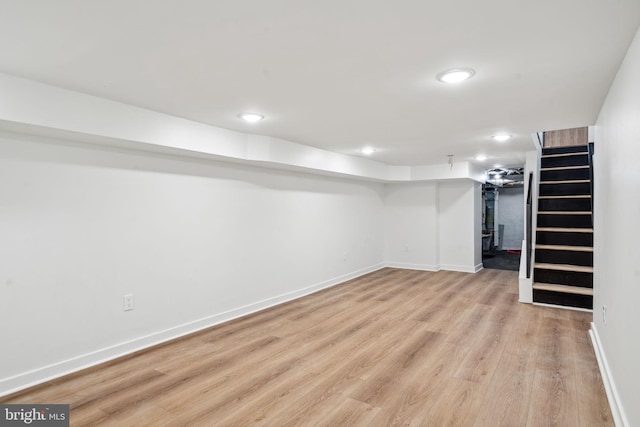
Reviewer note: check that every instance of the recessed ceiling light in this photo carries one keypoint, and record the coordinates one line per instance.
(455, 75)
(481, 157)
(368, 150)
(251, 117)
(501, 137)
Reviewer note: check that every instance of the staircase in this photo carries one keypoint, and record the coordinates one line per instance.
(563, 268)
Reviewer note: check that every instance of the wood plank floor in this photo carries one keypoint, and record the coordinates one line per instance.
(395, 347)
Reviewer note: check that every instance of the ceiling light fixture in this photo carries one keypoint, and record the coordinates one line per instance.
(368, 150)
(251, 117)
(455, 75)
(481, 157)
(501, 137)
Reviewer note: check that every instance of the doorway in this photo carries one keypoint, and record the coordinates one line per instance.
(503, 218)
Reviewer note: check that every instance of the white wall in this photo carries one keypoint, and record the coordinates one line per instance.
(196, 242)
(616, 237)
(510, 213)
(434, 225)
(411, 225)
(32, 107)
(532, 165)
(459, 225)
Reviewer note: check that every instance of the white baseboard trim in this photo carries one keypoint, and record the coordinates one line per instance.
(409, 266)
(462, 268)
(38, 376)
(430, 267)
(617, 410)
(563, 307)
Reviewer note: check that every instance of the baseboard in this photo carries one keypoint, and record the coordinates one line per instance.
(563, 307)
(38, 376)
(430, 267)
(409, 266)
(462, 268)
(617, 410)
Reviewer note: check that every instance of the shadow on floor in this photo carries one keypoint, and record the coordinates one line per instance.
(501, 260)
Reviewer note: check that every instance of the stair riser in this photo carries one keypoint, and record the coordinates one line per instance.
(569, 239)
(559, 277)
(556, 162)
(564, 221)
(569, 189)
(550, 256)
(564, 205)
(562, 175)
(560, 298)
(563, 150)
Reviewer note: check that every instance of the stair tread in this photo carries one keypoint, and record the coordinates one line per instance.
(564, 212)
(565, 230)
(564, 267)
(578, 153)
(579, 290)
(561, 168)
(566, 248)
(577, 196)
(572, 181)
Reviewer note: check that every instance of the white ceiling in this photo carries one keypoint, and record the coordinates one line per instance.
(337, 75)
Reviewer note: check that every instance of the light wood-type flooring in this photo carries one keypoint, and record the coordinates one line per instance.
(394, 347)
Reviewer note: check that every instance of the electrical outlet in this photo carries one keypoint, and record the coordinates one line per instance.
(604, 314)
(128, 302)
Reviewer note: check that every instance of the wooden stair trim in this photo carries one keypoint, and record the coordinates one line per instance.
(564, 267)
(564, 230)
(565, 289)
(579, 153)
(561, 168)
(564, 212)
(571, 181)
(577, 196)
(566, 248)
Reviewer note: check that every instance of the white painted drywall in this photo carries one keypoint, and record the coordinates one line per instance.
(28, 106)
(434, 225)
(476, 217)
(411, 225)
(196, 242)
(511, 216)
(532, 165)
(459, 225)
(617, 233)
(86, 220)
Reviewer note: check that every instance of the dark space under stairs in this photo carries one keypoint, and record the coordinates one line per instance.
(563, 268)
